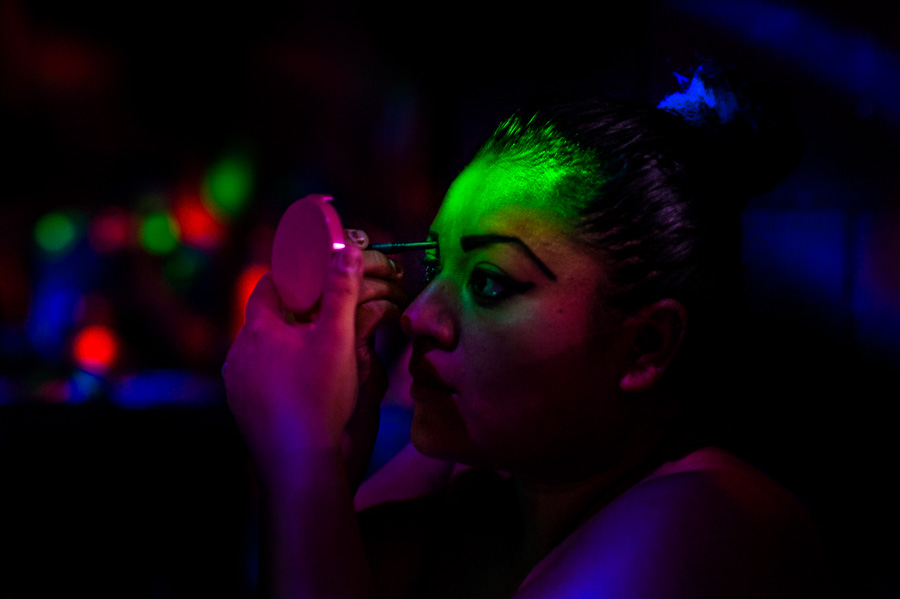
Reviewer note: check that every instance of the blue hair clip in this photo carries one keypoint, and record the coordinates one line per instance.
(696, 99)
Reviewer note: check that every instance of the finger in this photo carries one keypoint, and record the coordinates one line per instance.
(357, 237)
(341, 292)
(371, 314)
(263, 301)
(378, 265)
(374, 289)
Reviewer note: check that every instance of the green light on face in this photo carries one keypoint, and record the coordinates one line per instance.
(228, 185)
(160, 233)
(557, 172)
(55, 233)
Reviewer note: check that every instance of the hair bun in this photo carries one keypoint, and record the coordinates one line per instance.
(746, 134)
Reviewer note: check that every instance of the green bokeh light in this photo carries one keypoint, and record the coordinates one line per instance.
(228, 185)
(160, 233)
(55, 233)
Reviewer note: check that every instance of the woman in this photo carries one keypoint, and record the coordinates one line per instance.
(557, 451)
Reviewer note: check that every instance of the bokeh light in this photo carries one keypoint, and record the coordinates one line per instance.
(95, 349)
(199, 227)
(55, 233)
(51, 316)
(160, 233)
(228, 185)
(243, 288)
(110, 230)
(159, 388)
(85, 386)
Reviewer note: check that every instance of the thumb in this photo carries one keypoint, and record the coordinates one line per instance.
(341, 292)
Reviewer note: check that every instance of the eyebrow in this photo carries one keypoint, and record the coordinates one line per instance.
(472, 242)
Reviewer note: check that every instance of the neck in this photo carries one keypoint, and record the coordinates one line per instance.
(552, 510)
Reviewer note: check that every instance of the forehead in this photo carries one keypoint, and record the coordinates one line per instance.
(500, 197)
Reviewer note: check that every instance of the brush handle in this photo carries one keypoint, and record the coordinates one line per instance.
(397, 248)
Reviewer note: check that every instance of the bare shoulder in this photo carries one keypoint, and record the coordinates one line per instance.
(704, 532)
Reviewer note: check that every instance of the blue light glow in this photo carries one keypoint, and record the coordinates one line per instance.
(692, 102)
(848, 60)
(85, 386)
(167, 388)
(393, 435)
(7, 391)
(877, 284)
(52, 316)
(800, 257)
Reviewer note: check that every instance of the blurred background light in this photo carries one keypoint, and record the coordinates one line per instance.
(110, 230)
(244, 286)
(799, 258)
(56, 232)
(199, 227)
(228, 185)
(160, 233)
(51, 317)
(85, 386)
(166, 388)
(850, 61)
(95, 349)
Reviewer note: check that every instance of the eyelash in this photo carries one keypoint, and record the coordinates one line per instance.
(432, 269)
(509, 287)
(481, 275)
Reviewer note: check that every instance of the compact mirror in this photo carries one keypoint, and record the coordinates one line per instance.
(307, 236)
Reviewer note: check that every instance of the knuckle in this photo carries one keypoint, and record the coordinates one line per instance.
(357, 237)
(378, 310)
(378, 264)
(340, 287)
(367, 312)
(373, 261)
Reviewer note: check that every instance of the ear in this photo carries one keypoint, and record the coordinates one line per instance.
(656, 333)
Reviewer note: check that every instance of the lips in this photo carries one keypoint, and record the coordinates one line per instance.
(427, 382)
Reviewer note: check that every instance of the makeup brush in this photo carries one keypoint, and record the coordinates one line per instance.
(398, 248)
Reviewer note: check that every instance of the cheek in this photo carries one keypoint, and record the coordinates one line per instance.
(536, 375)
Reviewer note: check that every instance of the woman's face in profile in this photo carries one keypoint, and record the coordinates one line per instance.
(515, 360)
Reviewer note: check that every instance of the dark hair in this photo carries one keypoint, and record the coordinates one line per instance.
(659, 190)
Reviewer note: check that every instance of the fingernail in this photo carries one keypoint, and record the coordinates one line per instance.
(395, 266)
(349, 261)
(358, 237)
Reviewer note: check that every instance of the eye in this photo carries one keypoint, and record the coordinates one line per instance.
(488, 285)
(432, 269)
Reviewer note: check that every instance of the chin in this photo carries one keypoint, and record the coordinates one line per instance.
(441, 438)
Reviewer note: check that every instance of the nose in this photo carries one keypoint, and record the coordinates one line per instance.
(432, 314)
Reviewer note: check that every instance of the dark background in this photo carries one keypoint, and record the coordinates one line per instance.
(123, 475)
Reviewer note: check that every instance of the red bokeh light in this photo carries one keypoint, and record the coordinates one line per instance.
(243, 288)
(111, 230)
(199, 228)
(95, 349)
